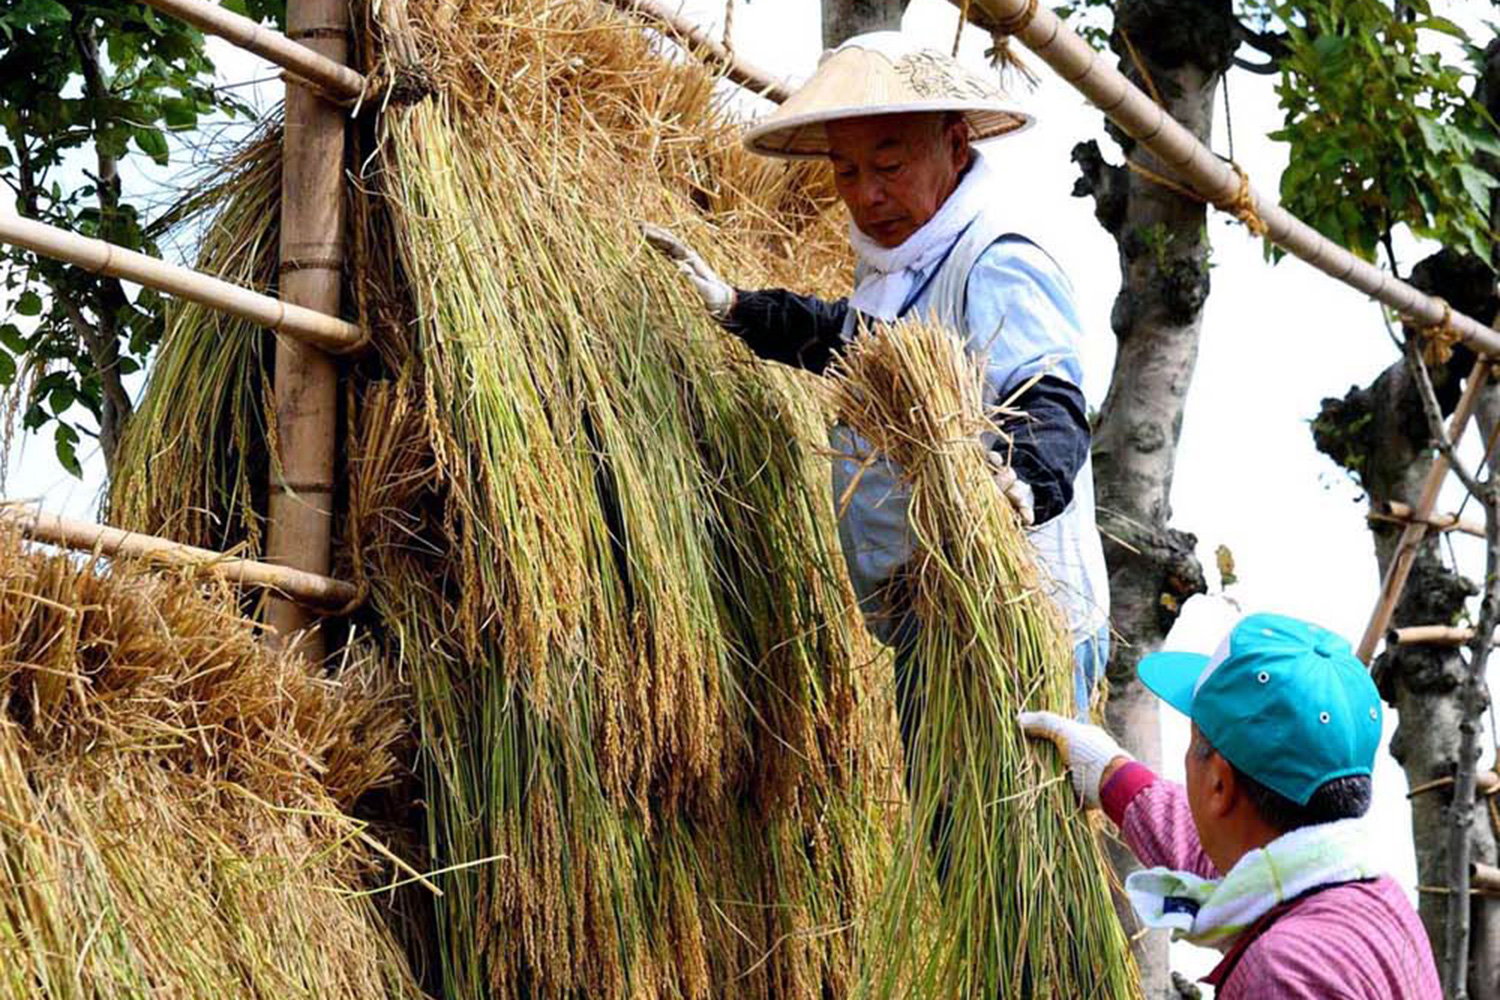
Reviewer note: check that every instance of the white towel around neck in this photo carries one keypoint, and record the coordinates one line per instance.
(888, 275)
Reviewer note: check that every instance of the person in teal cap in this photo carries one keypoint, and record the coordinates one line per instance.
(1263, 853)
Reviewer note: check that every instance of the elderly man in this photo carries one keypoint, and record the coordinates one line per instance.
(1262, 854)
(896, 123)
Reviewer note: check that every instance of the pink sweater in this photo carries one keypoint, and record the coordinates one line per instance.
(1353, 941)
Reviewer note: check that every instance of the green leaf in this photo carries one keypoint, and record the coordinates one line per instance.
(13, 339)
(29, 304)
(1443, 25)
(37, 13)
(61, 399)
(7, 368)
(1477, 183)
(153, 143)
(66, 443)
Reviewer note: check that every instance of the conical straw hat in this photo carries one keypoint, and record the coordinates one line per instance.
(881, 73)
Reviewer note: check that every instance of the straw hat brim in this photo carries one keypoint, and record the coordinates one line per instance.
(803, 137)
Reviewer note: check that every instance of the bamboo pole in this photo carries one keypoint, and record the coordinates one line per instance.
(333, 78)
(1416, 530)
(1197, 167)
(1430, 635)
(696, 40)
(313, 326)
(1484, 878)
(1394, 511)
(84, 536)
(306, 380)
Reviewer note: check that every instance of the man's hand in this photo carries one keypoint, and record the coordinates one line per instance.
(1015, 490)
(1088, 750)
(717, 295)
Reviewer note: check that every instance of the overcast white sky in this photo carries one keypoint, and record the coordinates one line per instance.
(1276, 340)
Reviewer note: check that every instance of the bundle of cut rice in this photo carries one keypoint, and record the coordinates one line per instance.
(174, 799)
(1000, 874)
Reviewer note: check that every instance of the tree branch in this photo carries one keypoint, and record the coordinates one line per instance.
(1268, 43)
(1268, 68)
(1461, 807)
(1428, 395)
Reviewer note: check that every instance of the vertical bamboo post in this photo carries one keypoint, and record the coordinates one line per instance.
(306, 380)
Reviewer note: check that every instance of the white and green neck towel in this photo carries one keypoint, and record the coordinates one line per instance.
(1213, 912)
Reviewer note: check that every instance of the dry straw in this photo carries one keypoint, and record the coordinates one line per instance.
(597, 534)
(174, 799)
(637, 666)
(1022, 906)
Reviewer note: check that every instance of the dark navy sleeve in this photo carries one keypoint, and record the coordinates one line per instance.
(1049, 442)
(798, 330)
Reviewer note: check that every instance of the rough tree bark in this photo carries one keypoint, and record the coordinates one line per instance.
(1379, 434)
(1184, 47)
(843, 18)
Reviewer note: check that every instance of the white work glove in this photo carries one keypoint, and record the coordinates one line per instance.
(717, 295)
(1015, 490)
(1086, 749)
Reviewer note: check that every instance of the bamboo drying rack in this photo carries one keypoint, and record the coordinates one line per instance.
(83, 536)
(299, 524)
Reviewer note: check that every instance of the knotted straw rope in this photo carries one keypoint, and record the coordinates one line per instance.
(1016, 23)
(1242, 205)
(1001, 30)
(1438, 338)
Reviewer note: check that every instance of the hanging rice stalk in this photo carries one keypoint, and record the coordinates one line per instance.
(174, 799)
(192, 463)
(598, 534)
(1000, 887)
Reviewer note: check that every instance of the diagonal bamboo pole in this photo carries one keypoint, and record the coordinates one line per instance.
(334, 78)
(312, 326)
(738, 70)
(1416, 529)
(1214, 179)
(306, 380)
(1144, 120)
(310, 588)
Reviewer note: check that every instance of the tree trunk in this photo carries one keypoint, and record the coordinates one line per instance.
(845, 18)
(1184, 47)
(101, 336)
(1380, 434)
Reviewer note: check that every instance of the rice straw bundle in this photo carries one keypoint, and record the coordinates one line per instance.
(174, 799)
(608, 559)
(192, 464)
(1022, 906)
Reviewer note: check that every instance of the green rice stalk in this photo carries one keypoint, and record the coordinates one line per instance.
(192, 464)
(1024, 908)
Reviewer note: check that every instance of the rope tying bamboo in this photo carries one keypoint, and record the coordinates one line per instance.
(963, 19)
(1015, 23)
(1438, 338)
(1242, 205)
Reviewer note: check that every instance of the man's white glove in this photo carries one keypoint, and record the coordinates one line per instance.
(717, 295)
(1016, 491)
(1086, 749)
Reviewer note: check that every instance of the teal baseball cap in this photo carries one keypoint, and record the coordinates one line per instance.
(1283, 700)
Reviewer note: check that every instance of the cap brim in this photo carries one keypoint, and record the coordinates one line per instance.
(1172, 677)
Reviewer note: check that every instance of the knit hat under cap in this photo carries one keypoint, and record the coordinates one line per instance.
(881, 73)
